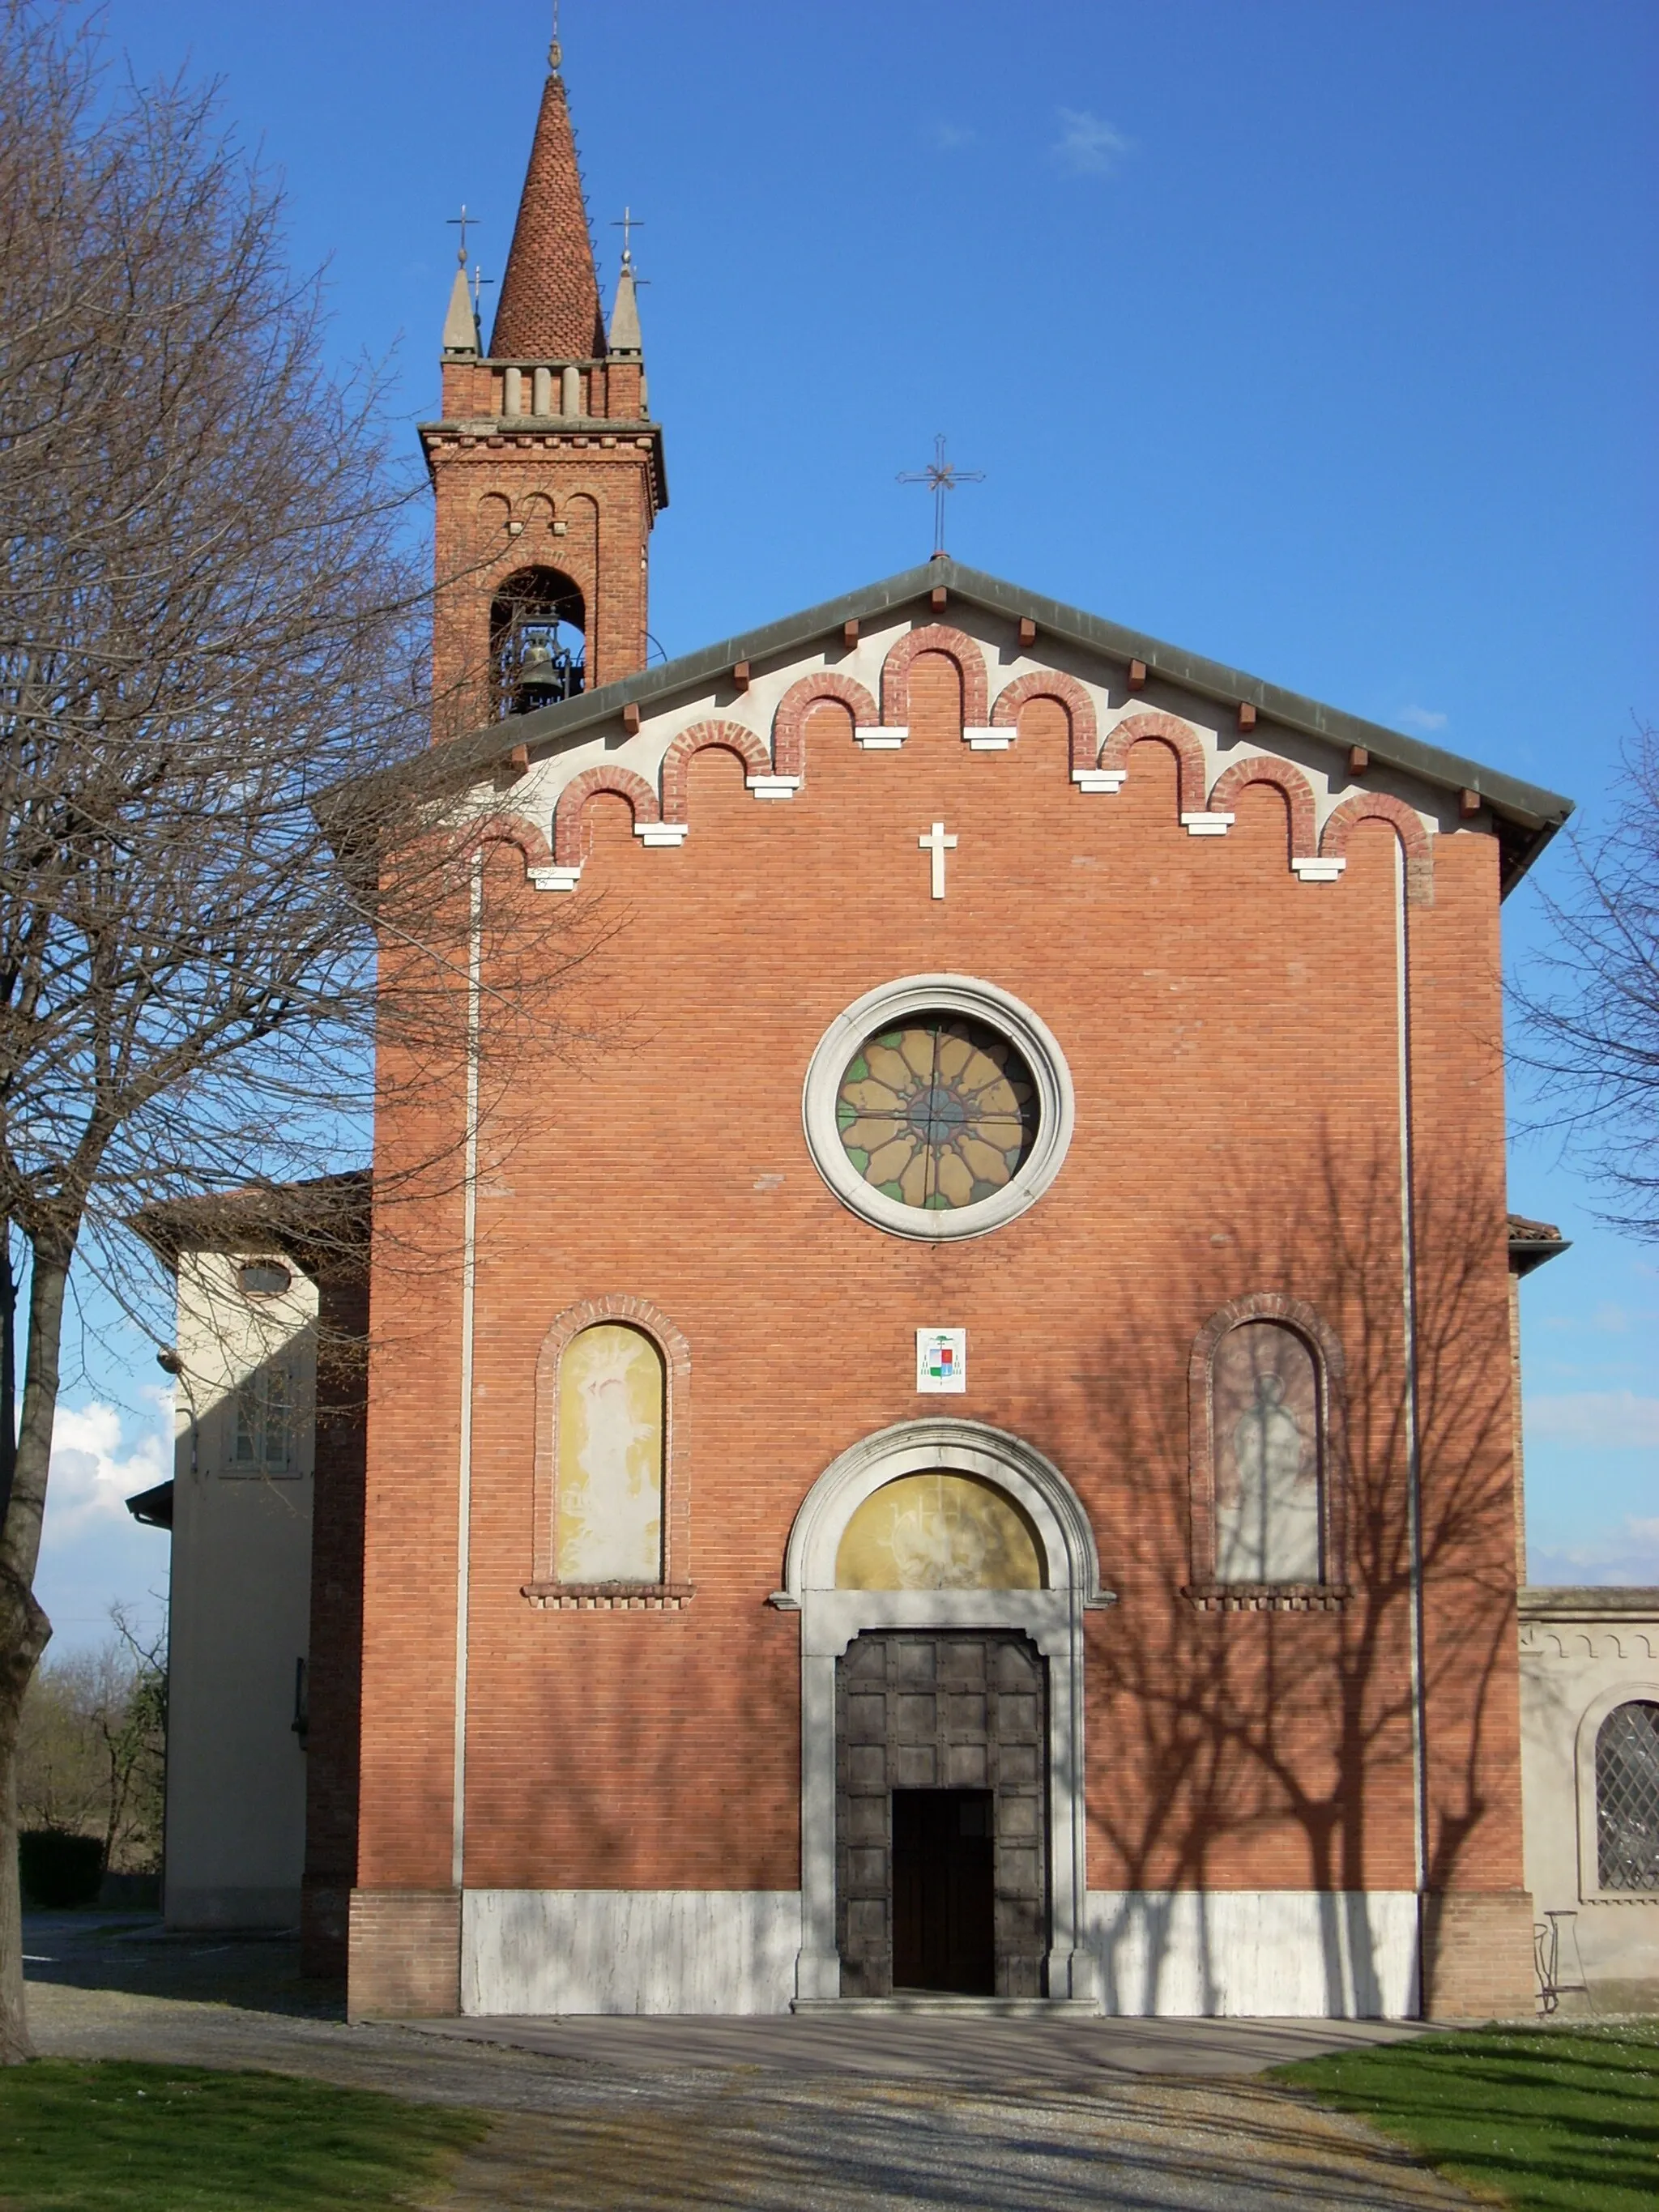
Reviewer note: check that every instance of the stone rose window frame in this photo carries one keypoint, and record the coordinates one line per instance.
(1207, 1591)
(924, 997)
(676, 1588)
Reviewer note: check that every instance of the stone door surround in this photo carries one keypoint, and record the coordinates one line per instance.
(1050, 1618)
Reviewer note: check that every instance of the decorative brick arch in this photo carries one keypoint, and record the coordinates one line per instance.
(789, 723)
(522, 834)
(1262, 768)
(702, 737)
(955, 645)
(1165, 730)
(1415, 842)
(568, 819)
(1067, 692)
(545, 1589)
(1330, 1368)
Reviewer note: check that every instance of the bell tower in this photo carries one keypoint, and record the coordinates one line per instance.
(547, 469)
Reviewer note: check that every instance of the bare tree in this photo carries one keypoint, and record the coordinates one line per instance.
(217, 793)
(92, 1747)
(1590, 1004)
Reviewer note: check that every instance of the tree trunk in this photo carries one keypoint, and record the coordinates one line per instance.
(8, 1367)
(24, 1628)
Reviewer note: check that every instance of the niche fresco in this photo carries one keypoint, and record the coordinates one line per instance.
(1264, 1399)
(939, 1532)
(611, 1457)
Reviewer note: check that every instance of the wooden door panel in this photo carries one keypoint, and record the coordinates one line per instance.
(921, 1712)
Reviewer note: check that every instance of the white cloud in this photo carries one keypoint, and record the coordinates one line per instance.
(95, 1469)
(1609, 1420)
(1086, 145)
(1619, 1558)
(948, 137)
(1424, 718)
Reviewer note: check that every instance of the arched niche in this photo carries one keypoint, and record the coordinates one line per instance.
(1046, 1604)
(535, 611)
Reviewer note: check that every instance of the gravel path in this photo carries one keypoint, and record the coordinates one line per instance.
(584, 2133)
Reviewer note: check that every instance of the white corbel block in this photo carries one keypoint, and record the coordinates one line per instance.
(661, 833)
(556, 879)
(1099, 779)
(774, 787)
(1319, 870)
(1207, 825)
(884, 738)
(987, 740)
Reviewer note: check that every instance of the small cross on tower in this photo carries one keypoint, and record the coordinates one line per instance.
(462, 222)
(937, 843)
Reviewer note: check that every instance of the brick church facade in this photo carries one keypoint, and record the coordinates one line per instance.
(965, 1442)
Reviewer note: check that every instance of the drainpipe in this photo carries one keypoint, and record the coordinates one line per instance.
(1413, 1435)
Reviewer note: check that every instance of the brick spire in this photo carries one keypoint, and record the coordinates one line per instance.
(548, 306)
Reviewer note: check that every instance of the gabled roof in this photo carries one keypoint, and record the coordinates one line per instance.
(1527, 816)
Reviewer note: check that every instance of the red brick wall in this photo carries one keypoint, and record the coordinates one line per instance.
(1232, 1034)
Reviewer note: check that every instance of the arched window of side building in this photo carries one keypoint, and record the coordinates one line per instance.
(1627, 1796)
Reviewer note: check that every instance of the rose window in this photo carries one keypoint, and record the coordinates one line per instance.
(938, 1112)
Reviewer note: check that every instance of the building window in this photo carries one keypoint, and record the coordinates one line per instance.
(264, 1278)
(610, 1458)
(939, 1113)
(264, 1422)
(938, 1107)
(1627, 1797)
(1265, 1383)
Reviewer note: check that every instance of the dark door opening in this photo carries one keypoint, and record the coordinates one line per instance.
(944, 1891)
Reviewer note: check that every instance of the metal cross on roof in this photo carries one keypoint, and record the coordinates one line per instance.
(465, 223)
(941, 476)
(628, 222)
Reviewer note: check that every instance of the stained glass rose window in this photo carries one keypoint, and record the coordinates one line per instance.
(938, 1107)
(940, 1112)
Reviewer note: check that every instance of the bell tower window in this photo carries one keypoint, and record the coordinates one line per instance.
(538, 641)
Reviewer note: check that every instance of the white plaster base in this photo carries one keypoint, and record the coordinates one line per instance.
(628, 1950)
(1271, 1953)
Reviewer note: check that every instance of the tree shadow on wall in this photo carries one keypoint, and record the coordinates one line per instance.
(1228, 1742)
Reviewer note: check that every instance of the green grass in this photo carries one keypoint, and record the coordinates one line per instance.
(120, 2138)
(1541, 2118)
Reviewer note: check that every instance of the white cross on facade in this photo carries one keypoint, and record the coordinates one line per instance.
(937, 844)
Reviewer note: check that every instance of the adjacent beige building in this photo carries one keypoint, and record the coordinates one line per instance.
(1589, 1753)
(241, 1517)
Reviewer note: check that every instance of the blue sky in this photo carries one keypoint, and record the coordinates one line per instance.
(1316, 337)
